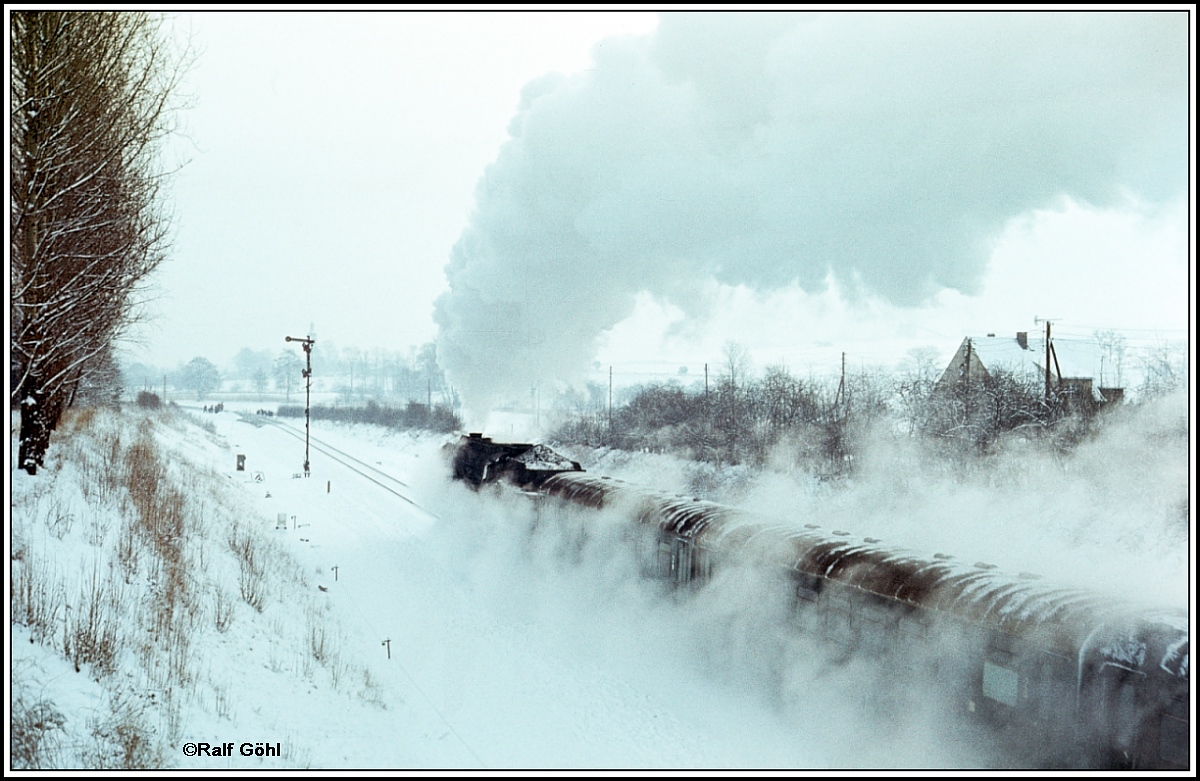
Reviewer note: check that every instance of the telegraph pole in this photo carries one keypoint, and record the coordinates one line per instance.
(1047, 391)
(967, 377)
(840, 399)
(1047, 363)
(307, 344)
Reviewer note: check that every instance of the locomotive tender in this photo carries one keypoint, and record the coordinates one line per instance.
(1060, 677)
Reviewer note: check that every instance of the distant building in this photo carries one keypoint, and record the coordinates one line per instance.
(1074, 366)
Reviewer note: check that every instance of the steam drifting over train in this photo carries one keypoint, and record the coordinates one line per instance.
(1054, 677)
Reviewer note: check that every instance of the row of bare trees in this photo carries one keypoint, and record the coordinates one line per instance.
(738, 418)
(90, 101)
(412, 375)
(821, 424)
(408, 417)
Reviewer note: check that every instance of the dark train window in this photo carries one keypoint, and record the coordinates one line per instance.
(1177, 707)
(873, 635)
(1054, 687)
(808, 588)
(1118, 704)
(1174, 740)
(665, 561)
(837, 599)
(648, 548)
(702, 565)
(682, 564)
(875, 621)
(837, 610)
(837, 627)
(1125, 714)
(916, 624)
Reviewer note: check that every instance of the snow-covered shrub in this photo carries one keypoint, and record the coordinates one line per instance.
(36, 732)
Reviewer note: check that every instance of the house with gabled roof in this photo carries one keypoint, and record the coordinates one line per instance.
(1068, 368)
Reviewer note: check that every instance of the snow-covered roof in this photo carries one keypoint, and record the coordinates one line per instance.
(1071, 358)
(1005, 352)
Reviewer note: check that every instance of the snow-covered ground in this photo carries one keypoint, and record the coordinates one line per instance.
(439, 652)
(433, 635)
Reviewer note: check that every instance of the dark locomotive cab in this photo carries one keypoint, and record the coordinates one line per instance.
(478, 461)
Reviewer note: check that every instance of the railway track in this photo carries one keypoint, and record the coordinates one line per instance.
(356, 465)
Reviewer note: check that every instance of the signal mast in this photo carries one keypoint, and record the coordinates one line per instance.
(307, 344)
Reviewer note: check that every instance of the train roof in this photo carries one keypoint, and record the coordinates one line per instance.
(1023, 605)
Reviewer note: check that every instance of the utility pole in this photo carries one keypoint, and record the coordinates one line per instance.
(610, 399)
(1047, 363)
(840, 400)
(967, 378)
(1051, 355)
(307, 344)
(1046, 398)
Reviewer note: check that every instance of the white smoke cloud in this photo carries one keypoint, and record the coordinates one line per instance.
(884, 152)
(755, 685)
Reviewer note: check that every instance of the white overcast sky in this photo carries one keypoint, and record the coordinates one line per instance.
(1019, 166)
(331, 162)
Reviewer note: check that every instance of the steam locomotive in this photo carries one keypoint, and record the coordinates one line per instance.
(1056, 677)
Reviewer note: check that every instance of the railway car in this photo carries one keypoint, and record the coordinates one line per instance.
(1056, 677)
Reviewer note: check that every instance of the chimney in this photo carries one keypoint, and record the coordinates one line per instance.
(1023, 339)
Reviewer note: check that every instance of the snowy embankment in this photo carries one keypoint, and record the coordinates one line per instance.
(157, 606)
(152, 607)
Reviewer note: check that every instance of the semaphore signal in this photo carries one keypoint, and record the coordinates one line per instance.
(307, 344)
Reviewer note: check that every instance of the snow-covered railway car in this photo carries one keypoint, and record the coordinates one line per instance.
(1056, 677)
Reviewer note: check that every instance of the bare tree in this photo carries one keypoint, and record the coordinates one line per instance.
(260, 380)
(101, 383)
(201, 376)
(287, 369)
(90, 100)
(913, 386)
(248, 364)
(1113, 345)
(736, 367)
(1164, 370)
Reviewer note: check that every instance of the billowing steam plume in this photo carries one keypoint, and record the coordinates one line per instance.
(882, 150)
